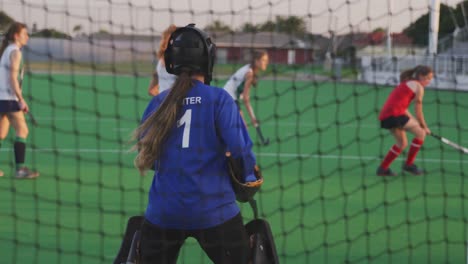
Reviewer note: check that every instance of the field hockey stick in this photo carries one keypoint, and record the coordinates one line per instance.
(450, 143)
(264, 141)
(33, 120)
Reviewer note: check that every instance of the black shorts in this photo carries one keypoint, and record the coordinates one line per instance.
(226, 243)
(394, 122)
(8, 106)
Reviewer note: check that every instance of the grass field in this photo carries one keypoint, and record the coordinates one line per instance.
(321, 195)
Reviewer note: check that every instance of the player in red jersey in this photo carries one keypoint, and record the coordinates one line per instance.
(395, 117)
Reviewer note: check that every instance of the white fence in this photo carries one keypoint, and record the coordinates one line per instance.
(451, 72)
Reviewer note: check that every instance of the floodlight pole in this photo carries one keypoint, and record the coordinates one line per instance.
(434, 27)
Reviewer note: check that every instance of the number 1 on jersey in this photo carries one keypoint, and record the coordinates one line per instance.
(185, 119)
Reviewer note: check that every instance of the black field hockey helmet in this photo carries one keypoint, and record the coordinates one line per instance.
(190, 48)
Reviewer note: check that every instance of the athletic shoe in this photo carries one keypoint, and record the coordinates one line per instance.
(25, 173)
(385, 172)
(413, 169)
(1, 173)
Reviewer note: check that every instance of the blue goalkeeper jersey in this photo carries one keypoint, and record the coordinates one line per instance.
(191, 187)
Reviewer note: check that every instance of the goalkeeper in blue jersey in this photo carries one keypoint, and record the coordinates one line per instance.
(184, 135)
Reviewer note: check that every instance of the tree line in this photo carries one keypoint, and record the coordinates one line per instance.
(450, 19)
(6, 20)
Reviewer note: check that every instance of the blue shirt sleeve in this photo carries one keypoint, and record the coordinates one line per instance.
(152, 106)
(234, 134)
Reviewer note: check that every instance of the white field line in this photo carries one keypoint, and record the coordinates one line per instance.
(286, 124)
(261, 154)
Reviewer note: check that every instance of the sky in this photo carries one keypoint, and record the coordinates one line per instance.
(152, 16)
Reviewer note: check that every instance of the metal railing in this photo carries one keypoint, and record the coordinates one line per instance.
(444, 64)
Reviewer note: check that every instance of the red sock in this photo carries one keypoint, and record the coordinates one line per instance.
(413, 151)
(391, 156)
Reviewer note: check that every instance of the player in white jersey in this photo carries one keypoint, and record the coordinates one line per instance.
(239, 84)
(162, 80)
(12, 103)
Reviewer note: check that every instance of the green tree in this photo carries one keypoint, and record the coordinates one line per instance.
(5, 21)
(218, 26)
(449, 19)
(379, 29)
(249, 28)
(77, 29)
(268, 26)
(103, 32)
(51, 33)
(291, 24)
(461, 13)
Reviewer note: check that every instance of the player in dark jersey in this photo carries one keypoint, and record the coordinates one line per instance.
(184, 134)
(396, 117)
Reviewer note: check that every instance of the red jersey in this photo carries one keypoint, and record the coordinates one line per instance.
(397, 102)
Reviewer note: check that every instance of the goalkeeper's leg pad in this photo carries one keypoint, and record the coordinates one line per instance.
(129, 247)
(262, 242)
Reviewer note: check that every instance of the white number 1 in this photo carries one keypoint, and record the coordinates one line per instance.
(185, 119)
